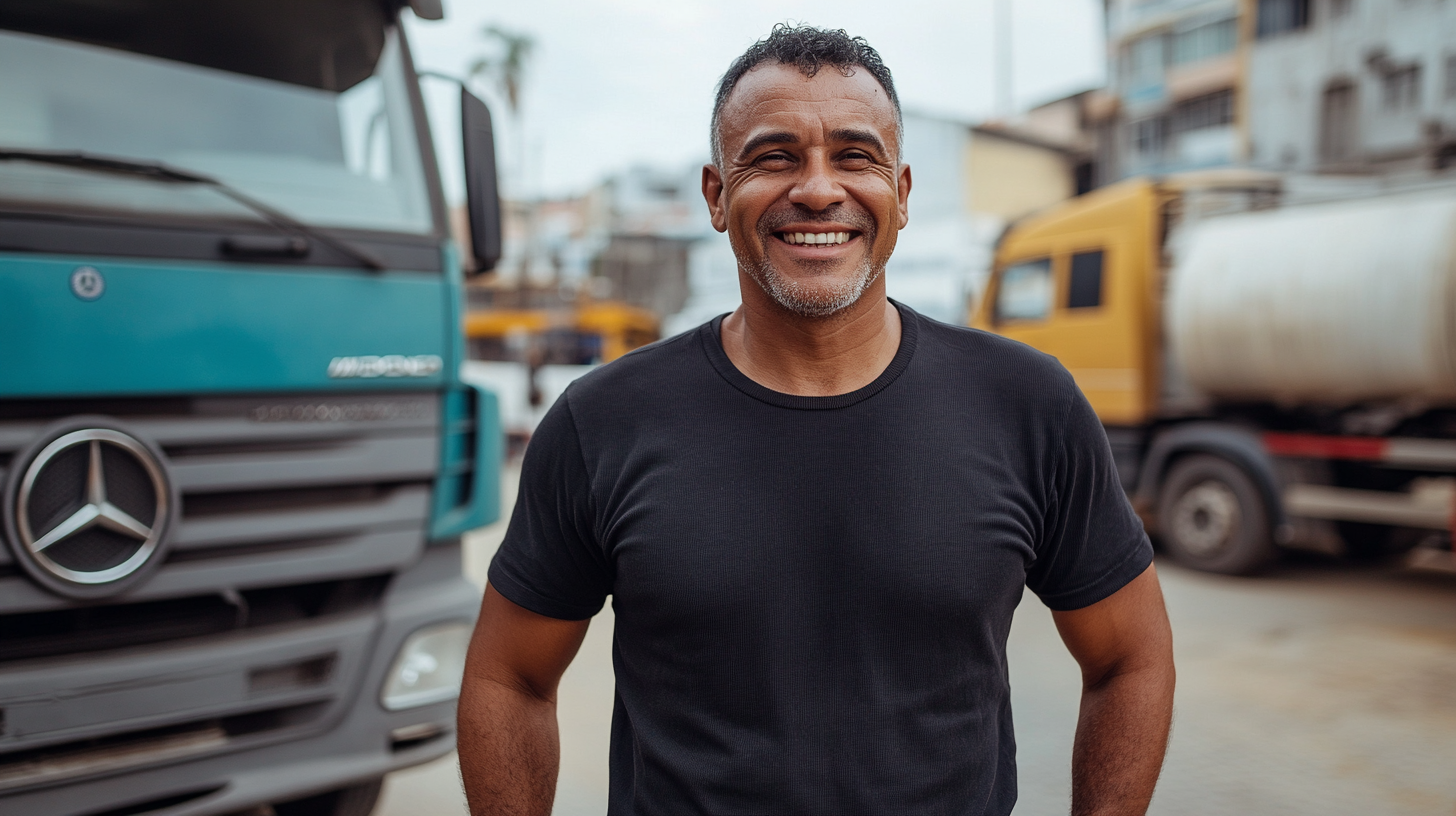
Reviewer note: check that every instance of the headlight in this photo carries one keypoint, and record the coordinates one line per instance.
(429, 666)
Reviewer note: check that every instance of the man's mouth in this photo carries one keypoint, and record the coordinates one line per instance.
(816, 238)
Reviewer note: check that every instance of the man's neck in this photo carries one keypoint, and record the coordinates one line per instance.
(813, 356)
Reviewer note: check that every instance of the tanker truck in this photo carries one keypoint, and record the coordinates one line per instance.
(1274, 369)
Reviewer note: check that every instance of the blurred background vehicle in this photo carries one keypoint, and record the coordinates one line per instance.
(1252, 288)
(237, 454)
(1272, 372)
(552, 330)
(527, 344)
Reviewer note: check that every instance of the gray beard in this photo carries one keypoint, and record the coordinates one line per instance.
(817, 301)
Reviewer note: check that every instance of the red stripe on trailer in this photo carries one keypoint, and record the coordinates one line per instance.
(1316, 446)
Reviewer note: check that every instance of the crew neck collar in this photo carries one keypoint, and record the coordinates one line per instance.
(710, 334)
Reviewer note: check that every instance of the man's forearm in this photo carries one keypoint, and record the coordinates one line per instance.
(509, 750)
(1122, 734)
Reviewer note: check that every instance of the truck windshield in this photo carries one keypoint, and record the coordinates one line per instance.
(348, 159)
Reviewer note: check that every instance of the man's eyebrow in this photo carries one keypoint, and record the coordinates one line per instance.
(868, 137)
(778, 137)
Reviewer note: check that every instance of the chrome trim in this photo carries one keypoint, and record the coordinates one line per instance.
(97, 511)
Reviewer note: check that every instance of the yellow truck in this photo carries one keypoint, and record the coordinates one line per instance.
(580, 333)
(1271, 372)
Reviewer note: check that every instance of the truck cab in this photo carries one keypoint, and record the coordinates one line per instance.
(1083, 283)
(236, 455)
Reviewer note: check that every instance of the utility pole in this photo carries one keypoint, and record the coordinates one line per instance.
(1001, 27)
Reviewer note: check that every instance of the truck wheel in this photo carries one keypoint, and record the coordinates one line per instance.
(1212, 517)
(355, 800)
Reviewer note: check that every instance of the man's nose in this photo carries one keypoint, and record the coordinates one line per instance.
(817, 188)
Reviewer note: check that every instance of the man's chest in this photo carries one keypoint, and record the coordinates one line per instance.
(818, 519)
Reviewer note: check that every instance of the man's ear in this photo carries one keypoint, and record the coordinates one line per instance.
(903, 189)
(713, 194)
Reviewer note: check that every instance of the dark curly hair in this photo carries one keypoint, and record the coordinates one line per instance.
(809, 49)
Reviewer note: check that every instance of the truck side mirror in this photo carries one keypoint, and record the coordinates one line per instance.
(482, 193)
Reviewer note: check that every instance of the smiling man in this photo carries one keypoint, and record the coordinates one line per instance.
(815, 517)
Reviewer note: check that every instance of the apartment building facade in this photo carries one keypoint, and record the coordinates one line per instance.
(1353, 86)
(1175, 76)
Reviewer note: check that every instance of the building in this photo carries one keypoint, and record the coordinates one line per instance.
(1084, 126)
(1353, 86)
(1175, 73)
(1301, 86)
(1010, 172)
(645, 270)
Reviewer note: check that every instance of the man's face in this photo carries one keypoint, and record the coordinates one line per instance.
(810, 192)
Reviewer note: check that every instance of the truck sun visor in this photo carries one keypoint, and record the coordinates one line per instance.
(327, 44)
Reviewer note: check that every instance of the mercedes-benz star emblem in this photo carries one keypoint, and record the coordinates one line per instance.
(87, 283)
(90, 508)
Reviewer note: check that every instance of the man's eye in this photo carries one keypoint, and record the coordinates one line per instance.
(774, 160)
(856, 159)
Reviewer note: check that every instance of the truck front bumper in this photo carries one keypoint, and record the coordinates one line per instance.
(340, 732)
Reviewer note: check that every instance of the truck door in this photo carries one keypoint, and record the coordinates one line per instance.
(1074, 283)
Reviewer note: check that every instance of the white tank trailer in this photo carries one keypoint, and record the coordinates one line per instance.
(1311, 362)
(1333, 304)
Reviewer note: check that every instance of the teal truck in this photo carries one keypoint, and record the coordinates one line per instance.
(236, 456)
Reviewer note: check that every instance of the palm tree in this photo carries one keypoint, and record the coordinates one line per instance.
(507, 68)
(508, 65)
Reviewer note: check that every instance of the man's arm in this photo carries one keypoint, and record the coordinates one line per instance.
(508, 741)
(1125, 648)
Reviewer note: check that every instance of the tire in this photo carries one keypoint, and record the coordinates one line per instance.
(355, 800)
(1212, 517)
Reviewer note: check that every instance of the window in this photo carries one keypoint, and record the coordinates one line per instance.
(1209, 110)
(1145, 60)
(1148, 136)
(1281, 16)
(1337, 123)
(1025, 292)
(337, 159)
(1401, 88)
(1084, 291)
(1205, 41)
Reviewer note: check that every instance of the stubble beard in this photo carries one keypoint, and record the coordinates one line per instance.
(821, 300)
(818, 299)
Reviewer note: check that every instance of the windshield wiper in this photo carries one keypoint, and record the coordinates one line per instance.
(158, 171)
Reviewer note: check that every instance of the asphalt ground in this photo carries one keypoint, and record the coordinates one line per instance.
(1321, 688)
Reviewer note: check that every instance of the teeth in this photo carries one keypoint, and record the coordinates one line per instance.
(816, 237)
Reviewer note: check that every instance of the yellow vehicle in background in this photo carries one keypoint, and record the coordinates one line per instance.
(1270, 373)
(546, 330)
(1082, 283)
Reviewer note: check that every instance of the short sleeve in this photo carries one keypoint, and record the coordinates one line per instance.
(550, 561)
(1093, 542)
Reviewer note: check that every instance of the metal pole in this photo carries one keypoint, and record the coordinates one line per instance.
(1004, 81)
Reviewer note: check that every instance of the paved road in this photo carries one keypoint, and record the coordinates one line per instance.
(1321, 689)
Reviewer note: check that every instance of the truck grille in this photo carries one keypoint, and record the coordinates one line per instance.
(294, 513)
(276, 490)
(94, 628)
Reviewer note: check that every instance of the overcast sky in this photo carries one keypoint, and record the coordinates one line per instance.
(617, 82)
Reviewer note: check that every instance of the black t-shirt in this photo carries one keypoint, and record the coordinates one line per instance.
(813, 594)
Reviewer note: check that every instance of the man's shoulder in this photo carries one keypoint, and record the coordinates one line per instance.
(648, 372)
(992, 359)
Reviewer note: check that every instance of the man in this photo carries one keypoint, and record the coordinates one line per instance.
(815, 517)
